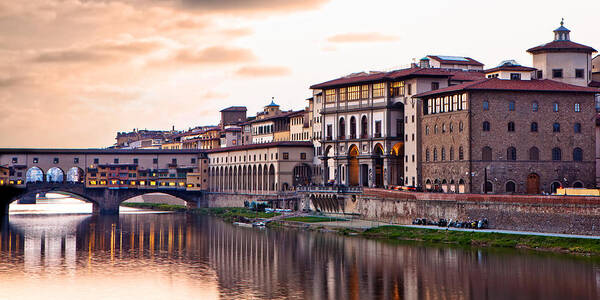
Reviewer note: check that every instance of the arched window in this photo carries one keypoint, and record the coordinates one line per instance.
(486, 153)
(451, 127)
(556, 127)
(486, 105)
(577, 128)
(443, 153)
(451, 153)
(510, 187)
(460, 126)
(577, 107)
(511, 126)
(426, 130)
(461, 154)
(363, 127)
(578, 184)
(534, 154)
(511, 106)
(342, 129)
(443, 127)
(534, 127)
(556, 154)
(434, 154)
(555, 107)
(577, 154)
(435, 129)
(488, 187)
(352, 127)
(534, 106)
(486, 126)
(511, 153)
(427, 154)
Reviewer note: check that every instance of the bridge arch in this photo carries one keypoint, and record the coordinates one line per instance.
(75, 174)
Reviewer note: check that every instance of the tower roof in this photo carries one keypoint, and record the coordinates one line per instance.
(561, 43)
(272, 103)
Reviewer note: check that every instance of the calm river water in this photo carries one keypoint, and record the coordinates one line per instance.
(176, 256)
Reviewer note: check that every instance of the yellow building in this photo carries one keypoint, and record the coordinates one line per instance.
(172, 145)
(4, 175)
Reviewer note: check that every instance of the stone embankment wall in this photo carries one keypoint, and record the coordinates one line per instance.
(213, 199)
(557, 214)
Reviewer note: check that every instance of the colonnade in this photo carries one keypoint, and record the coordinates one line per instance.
(250, 178)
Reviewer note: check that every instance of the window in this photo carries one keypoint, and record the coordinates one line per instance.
(116, 160)
(36, 160)
(577, 107)
(451, 153)
(435, 129)
(511, 106)
(329, 132)
(511, 153)
(486, 153)
(330, 96)
(286, 155)
(461, 153)
(96, 161)
(136, 161)
(409, 88)
(486, 126)
(454, 103)
(342, 94)
(539, 74)
(577, 128)
(577, 154)
(364, 91)
(363, 127)
(354, 92)
(377, 129)
(193, 160)
(486, 105)
(511, 126)
(426, 154)
(443, 154)
(556, 154)
(155, 160)
(302, 155)
(534, 126)
(378, 90)
(579, 73)
(443, 127)
(515, 76)
(56, 160)
(510, 187)
(397, 89)
(15, 160)
(556, 127)
(557, 73)
(434, 154)
(342, 129)
(353, 127)
(426, 130)
(435, 85)
(534, 154)
(460, 126)
(451, 127)
(534, 107)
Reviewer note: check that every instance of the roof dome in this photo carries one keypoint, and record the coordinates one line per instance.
(561, 33)
(272, 103)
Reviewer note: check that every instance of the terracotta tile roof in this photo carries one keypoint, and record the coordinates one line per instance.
(234, 108)
(513, 85)
(511, 68)
(357, 78)
(259, 146)
(281, 115)
(560, 46)
(445, 60)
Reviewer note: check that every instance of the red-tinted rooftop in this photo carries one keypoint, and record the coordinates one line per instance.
(561, 46)
(513, 85)
(511, 68)
(259, 146)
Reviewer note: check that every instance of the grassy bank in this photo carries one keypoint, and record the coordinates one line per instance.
(313, 219)
(487, 239)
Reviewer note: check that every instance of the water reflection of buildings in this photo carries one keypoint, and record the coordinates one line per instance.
(289, 264)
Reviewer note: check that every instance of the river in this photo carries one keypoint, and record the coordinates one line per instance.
(140, 255)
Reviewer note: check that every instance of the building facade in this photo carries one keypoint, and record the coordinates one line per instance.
(508, 136)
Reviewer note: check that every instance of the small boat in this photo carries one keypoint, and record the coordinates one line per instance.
(242, 224)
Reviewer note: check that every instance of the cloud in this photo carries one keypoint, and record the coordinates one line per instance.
(236, 32)
(11, 81)
(263, 71)
(252, 5)
(215, 55)
(362, 37)
(100, 52)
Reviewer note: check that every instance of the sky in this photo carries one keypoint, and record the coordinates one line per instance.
(75, 72)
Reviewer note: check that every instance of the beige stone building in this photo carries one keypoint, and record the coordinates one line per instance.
(264, 168)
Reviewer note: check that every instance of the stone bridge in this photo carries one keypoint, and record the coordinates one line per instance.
(104, 200)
